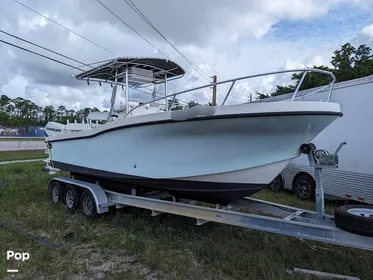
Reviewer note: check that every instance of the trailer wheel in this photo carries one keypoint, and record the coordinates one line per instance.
(304, 187)
(88, 204)
(277, 185)
(355, 218)
(72, 197)
(305, 149)
(56, 191)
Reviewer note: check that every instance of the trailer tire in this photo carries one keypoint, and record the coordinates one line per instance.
(304, 187)
(88, 204)
(56, 192)
(277, 185)
(72, 197)
(355, 218)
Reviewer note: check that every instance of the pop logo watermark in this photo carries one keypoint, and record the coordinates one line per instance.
(10, 255)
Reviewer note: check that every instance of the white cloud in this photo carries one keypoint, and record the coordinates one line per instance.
(293, 64)
(295, 9)
(29, 24)
(223, 37)
(318, 60)
(15, 87)
(368, 30)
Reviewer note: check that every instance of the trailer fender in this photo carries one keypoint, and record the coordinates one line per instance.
(101, 200)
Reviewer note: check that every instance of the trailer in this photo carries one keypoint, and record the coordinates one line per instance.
(353, 180)
(351, 226)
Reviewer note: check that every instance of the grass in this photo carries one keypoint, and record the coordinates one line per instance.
(130, 244)
(290, 199)
(21, 155)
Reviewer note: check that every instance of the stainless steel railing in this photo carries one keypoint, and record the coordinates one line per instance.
(233, 81)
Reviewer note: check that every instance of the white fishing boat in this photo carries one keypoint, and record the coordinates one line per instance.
(208, 153)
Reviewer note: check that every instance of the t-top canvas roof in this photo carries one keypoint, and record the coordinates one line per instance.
(140, 71)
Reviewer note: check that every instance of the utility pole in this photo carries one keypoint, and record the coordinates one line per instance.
(214, 90)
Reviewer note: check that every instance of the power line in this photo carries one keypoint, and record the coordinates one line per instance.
(69, 65)
(137, 10)
(64, 27)
(92, 42)
(81, 36)
(44, 48)
(138, 33)
(63, 63)
(47, 57)
(130, 27)
(62, 55)
(98, 62)
(83, 64)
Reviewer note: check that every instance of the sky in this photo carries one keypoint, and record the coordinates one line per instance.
(224, 38)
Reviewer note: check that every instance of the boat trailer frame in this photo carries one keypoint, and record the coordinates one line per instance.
(277, 218)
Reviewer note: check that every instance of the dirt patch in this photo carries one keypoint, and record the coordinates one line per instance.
(98, 264)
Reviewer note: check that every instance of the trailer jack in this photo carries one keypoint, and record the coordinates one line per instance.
(320, 159)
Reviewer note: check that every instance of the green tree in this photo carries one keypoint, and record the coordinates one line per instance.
(261, 95)
(24, 112)
(343, 61)
(49, 113)
(60, 112)
(312, 79)
(4, 103)
(5, 119)
(352, 63)
(348, 62)
(18, 105)
(363, 62)
(192, 103)
(82, 114)
(175, 106)
(70, 113)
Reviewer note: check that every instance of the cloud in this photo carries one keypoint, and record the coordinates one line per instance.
(227, 38)
(368, 30)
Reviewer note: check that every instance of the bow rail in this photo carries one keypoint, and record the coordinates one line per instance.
(233, 81)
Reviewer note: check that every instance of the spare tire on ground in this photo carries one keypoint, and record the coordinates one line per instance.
(355, 218)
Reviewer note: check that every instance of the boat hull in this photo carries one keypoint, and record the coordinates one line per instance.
(217, 157)
(216, 188)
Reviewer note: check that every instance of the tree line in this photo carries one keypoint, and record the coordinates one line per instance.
(23, 112)
(348, 63)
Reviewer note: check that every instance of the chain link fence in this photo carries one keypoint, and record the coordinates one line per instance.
(22, 148)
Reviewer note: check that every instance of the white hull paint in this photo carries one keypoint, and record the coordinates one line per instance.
(248, 143)
(254, 175)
